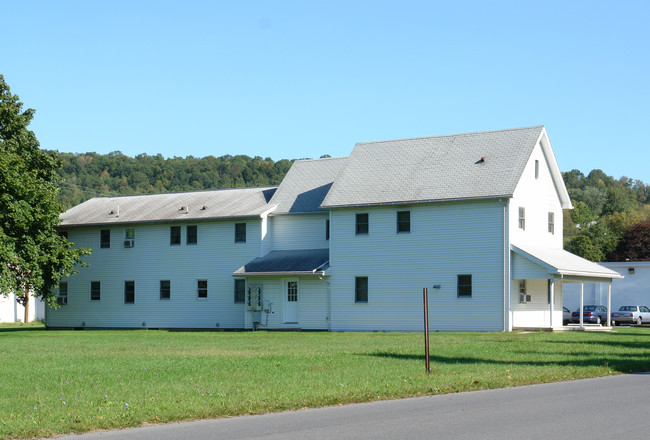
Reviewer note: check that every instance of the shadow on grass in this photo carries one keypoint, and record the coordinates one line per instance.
(629, 365)
(9, 329)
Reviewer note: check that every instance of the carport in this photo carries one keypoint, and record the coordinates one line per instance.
(560, 266)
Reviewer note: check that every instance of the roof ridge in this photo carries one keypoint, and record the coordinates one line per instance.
(321, 158)
(451, 135)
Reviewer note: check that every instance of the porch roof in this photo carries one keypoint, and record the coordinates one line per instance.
(287, 262)
(565, 264)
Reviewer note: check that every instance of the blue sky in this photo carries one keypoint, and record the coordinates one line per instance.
(294, 79)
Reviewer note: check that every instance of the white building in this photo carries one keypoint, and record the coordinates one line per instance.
(341, 244)
(12, 311)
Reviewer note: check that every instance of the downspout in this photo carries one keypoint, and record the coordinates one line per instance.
(506, 270)
(329, 286)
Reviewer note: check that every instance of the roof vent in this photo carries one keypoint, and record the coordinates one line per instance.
(186, 209)
(480, 161)
(204, 207)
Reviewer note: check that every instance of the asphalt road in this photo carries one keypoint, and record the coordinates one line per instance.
(604, 408)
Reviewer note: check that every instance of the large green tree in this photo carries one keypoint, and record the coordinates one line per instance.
(33, 256)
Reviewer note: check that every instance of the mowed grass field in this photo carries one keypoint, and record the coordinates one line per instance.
(56, 382)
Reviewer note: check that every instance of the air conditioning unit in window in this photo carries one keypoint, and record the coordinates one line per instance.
(129, 243)
(524, 298)
(61, 300)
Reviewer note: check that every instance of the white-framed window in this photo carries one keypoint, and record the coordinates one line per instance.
(95, 290)
(536, 169)
(240, 232)
(174, 235)
(403, 221)
(464, 286)
(129, 238)
(129, 292)
(202, 289)
(240, 291)
(105, 238)
(362, 224)
(165, 289)
(522, 218)
(62, 297)
(191, 236)
(523, 296)
(551, 222)
(361, 289)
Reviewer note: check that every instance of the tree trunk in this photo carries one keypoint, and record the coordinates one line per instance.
(26, 305)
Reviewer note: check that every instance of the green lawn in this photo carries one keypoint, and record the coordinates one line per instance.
(57, 382)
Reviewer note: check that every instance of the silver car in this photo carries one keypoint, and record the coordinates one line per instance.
(631, 314)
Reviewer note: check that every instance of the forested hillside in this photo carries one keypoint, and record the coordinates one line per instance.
(608, 217)
(610, 220)
(98, 175)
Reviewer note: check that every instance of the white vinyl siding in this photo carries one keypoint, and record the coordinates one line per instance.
(299, 231)
(539, 197)
(536, 312)
(450, 239)
(214, 258)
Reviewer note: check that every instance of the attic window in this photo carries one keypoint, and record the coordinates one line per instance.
(536, 169)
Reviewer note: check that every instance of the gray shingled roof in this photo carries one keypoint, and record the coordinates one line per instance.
(306, 184)
(434, 168)
(558, 261)
(287, 262)
(174, 207)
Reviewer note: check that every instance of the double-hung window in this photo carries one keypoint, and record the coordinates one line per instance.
(403, 221)
(165, 289)
(95, 290)
(362, 225)
(240, 232)
(240, 291)
(551, 222)
(129, 292)
(464, 286)
(129, 238)
(361, 289)
(522, 218)
(202, 289)
(192, 235)
(175, 235)
(105, 238)
(62, 298)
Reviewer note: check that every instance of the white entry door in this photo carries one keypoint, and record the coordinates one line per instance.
(291, 301)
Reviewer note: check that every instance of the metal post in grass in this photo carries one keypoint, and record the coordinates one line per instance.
(425, 294)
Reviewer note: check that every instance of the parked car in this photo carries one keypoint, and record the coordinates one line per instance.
(591, 314)
(632, 314)
(566, 316)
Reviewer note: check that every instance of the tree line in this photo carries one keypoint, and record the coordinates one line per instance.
(610, 219)
(90, 175)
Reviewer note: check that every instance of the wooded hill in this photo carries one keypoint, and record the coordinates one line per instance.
(609, 216)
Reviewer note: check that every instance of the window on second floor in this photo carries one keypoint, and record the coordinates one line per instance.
(537, 169)
(327, 229)
(192, 235)
(551, 222)
(362, 225)
(129, 238)
(522, 217)
(175, 235)
(240, 232)
(105, 238)
(403, 221)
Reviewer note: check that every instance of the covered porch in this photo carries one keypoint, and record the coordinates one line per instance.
(538, 275)
(287, 290)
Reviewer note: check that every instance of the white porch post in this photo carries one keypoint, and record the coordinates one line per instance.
(551, 288)
(582, 303)
(609, 304)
